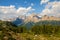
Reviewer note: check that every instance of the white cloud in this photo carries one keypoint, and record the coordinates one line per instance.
(11, 11)
(7, 9)
(23, 11)
(44, 1)
(52, 9)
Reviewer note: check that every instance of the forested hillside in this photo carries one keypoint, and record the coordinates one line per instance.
(43, 30)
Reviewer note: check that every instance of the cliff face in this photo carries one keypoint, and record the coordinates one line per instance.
(36, 18)
(33, 18)
(45, 17)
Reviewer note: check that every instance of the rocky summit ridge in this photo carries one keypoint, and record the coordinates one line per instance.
(36, 18)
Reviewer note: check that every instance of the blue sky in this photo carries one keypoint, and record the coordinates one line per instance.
(24, 3)
(38, 5)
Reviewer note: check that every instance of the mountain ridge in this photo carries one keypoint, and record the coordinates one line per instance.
(35, 18)
(32, 18)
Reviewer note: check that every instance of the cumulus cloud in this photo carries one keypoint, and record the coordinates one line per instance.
(52, 9)
(44, 1)
(23, 11)
(11, 11)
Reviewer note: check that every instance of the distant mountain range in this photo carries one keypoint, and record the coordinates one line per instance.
(31, 19)
(35, 18)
